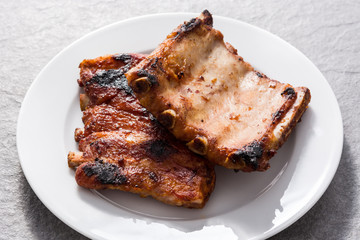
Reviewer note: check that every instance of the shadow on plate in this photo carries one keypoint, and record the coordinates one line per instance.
(338, 202)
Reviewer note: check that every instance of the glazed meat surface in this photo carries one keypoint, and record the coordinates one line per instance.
(197, 86)
(122, 146)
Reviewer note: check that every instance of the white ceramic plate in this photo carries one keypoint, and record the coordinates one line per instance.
(243, 205)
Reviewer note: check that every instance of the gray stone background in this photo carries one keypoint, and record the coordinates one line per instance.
(32, 32)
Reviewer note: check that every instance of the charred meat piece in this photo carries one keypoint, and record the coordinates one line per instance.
(122, 146)
(206, 95)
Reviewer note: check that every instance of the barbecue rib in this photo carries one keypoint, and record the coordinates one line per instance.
(206, 95)
(122, 146)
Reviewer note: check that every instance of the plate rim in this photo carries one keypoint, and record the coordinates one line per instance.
(271, 232)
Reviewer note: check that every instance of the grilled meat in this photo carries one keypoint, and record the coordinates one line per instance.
(122, 146)
(208, 96)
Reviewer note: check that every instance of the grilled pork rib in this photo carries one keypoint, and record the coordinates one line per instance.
(122, 146)
(206, 95)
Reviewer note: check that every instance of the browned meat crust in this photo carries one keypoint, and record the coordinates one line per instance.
(206, 95)
(122, 146)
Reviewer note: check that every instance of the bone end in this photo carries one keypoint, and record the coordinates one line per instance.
(167, 118)
(198, 145)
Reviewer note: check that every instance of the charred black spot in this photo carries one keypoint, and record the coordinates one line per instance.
(153, 176)
(195, 22)
(106, 173)
(126, 58)
(188, 26)
(111, 78)
(277, 115)
(152, 79)
(158, 149)
(289, 92)
(249, 154)
(180, 75)
(99, 146)
(259, 75)
(208, 20)
(154, 64)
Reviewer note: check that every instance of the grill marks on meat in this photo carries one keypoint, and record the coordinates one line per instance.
(103, 78)
(206, 95)
(123, 147)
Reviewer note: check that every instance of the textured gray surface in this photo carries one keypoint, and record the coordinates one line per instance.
(32, 32)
